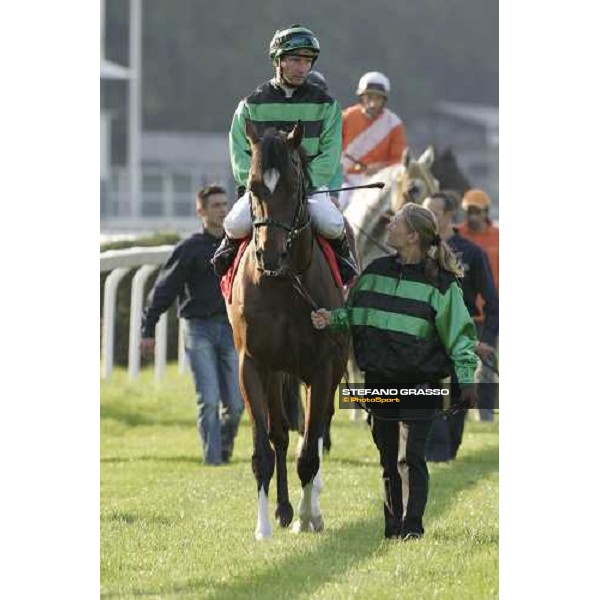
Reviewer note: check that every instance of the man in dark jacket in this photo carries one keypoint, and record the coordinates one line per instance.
(447, 432)
(189, 277)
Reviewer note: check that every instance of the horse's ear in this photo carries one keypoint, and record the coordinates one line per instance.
(427, 157)
(294, 137)
(405, 160)
(251, 132)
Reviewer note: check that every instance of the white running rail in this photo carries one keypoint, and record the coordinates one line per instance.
(119, 263)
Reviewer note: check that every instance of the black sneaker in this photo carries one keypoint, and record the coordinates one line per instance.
(392, 530)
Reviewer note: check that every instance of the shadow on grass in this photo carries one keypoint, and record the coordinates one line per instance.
(130, 518)
(193, 459)
(169, 459)
(133, 418)
(461, 474)
(175, 589)
(341, 549)
(351, 462)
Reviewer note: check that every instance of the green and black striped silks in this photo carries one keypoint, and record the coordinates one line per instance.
(405, 326)
(268, 107)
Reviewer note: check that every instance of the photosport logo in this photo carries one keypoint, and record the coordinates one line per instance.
(401, 395)
(408, 396)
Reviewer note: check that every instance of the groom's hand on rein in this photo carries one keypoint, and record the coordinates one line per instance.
(320, 318)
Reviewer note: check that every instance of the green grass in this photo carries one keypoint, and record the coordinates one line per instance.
(173, 528)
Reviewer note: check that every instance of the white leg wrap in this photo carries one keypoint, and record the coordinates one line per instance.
(304, 510)
(318, 480)
(264, 531)
(317, 517)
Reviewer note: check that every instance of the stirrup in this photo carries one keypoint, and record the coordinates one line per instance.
(225, 255)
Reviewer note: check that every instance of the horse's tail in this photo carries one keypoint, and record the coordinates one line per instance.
(291, 402)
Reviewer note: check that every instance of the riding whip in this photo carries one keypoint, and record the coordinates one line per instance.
(378, 184)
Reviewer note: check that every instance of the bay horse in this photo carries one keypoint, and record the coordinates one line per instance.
(281, 277)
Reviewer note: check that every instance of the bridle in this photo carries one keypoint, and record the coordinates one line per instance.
(418, 184)
(294, 230)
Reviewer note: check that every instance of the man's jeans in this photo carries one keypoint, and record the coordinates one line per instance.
(214, 363)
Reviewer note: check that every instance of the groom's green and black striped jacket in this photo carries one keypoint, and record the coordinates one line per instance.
(406, 327)
(268, 106)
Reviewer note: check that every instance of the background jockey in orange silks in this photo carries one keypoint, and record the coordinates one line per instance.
(373, 137)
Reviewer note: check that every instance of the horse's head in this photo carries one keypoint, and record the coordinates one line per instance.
(448, 172)
(277, 185)
(415, 180)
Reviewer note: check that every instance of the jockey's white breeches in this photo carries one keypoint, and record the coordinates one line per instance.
(324, 214)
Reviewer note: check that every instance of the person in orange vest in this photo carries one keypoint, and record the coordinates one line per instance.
(373, 137)
(480, 229)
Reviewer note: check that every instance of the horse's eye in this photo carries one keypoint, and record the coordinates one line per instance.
(414, 189)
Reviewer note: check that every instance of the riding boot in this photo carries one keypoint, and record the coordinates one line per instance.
(225, 255)
(345, 260)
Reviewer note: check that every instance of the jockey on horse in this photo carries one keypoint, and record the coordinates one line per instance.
(373, 137)
(280, 103)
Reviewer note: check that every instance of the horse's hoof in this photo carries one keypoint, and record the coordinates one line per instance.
(260, 536)
(318, 524)
(284, 513)
(301, 526)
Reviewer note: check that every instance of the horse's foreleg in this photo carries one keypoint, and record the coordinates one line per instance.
(279, 434)
(253, 387)
(309, 462)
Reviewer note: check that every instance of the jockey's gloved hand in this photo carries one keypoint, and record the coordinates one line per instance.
(241, 190)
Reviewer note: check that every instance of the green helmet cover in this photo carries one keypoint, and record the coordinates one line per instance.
(293, 38)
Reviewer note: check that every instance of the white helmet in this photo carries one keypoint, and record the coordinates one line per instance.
(373, 82)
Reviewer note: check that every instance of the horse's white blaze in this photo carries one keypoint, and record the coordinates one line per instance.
(263, 524)
(271, 177)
